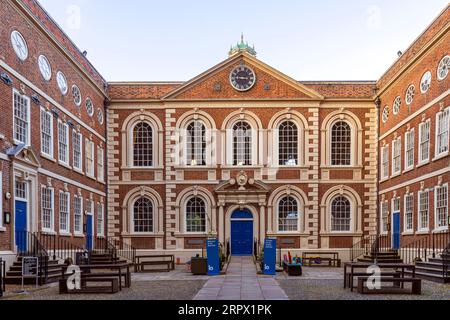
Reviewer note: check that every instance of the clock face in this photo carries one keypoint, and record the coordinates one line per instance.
(242, 78)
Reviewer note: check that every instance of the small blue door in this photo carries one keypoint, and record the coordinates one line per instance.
(21, 225)
(89, 233)
(396, 231)
(242, 233)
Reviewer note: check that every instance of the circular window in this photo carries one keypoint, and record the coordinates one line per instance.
(385, 115)
(443, 68)
(100, 116)
(397, 105)
(410, 93)
(76, 94)
(19, 45)
(425, 83)
(62, 82)
(89, 107)
(44, 67)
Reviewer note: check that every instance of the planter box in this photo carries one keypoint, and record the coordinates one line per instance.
(199, 266)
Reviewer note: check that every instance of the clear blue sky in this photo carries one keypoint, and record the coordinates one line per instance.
(175, 40)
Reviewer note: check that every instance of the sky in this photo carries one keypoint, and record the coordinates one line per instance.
(175, 40)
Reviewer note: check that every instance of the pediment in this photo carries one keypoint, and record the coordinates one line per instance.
(243, 184)
(24, 155)
(214, 84)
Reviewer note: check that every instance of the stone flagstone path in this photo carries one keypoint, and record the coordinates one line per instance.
(241, 283)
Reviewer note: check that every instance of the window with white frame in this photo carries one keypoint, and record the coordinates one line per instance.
(409, 211)
(100, 164)
(46, 132)
(288, 215)
(20, 190)
(288, 144)
(396, 156)
(341, 214)
(385, 162)
(64, 212)
(47, 209)
(77, 145)
(424, 210)
(409, 149)
(442, 124)
(384, 207)
(63, 142)
(441, 207)
(90, 158)
(78, 215)
(242, 144)
(143, 215)
(143, 145)
(21, 119)
(341, 144)
(196, 144)
(396, 205)
(424, 143)
(100, 220)
(195, 215)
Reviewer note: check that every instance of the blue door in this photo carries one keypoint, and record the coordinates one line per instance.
(89, 233)
(396, 231)
(21, 225)
(242, 233)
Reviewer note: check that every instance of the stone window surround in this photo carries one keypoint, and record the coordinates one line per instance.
(357, 138)
(128, 212)
(180, 208)
(127, 140)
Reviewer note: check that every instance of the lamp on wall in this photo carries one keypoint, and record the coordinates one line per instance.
(7, 219)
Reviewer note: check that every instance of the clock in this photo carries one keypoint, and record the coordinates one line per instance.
(242, 78)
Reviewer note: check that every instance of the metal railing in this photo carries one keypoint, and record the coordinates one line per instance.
(123, 249)
(228, 249)
(28, 245)
(60, 247)
(2, 277)
(362, 247)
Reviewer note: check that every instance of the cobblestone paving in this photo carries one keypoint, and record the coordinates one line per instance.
(327, 284)
(241, 283)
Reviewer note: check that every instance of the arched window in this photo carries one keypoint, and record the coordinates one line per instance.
(341, 144)
(288, 215)
(341, 214)
(288, 144)
(143, 145)
(196, 144)
(195, 216)
(242, 144)
(143, 215)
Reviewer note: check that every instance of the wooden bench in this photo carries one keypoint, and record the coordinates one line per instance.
(416, 285)
(111, 288)
(395, 274)
(168, 261)
(310, 259)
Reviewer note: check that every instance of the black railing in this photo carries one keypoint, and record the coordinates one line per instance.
(383, 243)
(124, 250)
(362, 247)
(104, 245)
(2, 276)
(228, 249)
(256, 249)
(28, 245)
(417, 250)
(60, 247)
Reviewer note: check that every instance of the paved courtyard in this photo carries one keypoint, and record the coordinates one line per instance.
(242, 283)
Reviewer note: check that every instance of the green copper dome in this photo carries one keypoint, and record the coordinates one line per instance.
(243, 46)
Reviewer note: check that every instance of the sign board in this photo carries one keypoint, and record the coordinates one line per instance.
(30, 268)
(212, 251)
(270, 257)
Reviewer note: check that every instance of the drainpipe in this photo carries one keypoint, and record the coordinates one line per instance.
(105, 210)
(378, 106)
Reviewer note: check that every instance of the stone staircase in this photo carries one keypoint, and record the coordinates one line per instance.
(14, 275)
(435, 269)
(389, 256)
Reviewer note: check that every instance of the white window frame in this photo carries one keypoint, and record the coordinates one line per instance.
(278, 215)
(384, 205)
(66, 151)
(51, 147)
(420, 227)
(410, 135)
(52, 213)
(90, 163)
(75, 231)
(100, 164)
(436, 227)
(397, 156)
(80, 137)
(421, 142)
(67, 230)
(100, 213)
(385, 162)
(405, 220)
(443, 153)
(28, 137)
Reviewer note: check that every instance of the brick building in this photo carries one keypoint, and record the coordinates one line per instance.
(241, 151)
